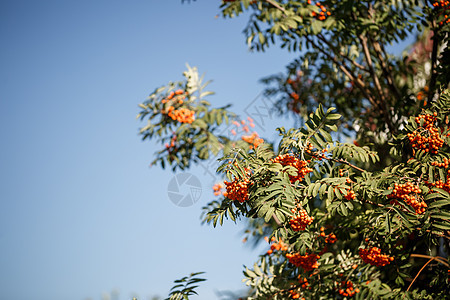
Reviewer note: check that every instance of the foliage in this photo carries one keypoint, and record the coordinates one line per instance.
(367, 219)
(186, 141)
(185, 287)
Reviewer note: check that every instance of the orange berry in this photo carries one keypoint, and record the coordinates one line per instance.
(308, 262)
(374, 257)
(252, 139)
(331, 238)
(300, 165)
(408, 192)
(300, 220)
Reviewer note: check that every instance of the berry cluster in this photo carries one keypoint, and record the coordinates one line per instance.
(217, 188)
(441, 184)
(342, 172)
(426, 137)
(295, 103)
(237, 190)
(300, 165)
(408, 192)
(303, 282)
(331, 238)
(244, 127)
(422, 95)
(322, 231)
(276, 246)
(295, 295)
(374, 257)
(172, 143)
(346, 289)
(443, 164)
(295, 96)
(445, 185)
(309, 148)
(319, 154)
(182, 115)
(323, 13)
(295, 86)
(300, 220)
(350, 195)
(253, 139)
(176, 97)
(308, 262)
(444, 9)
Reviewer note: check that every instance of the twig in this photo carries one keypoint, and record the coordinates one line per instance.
(369, 62)
(438, 234)
(373, 203)
(386, 69)
(433, 63)
(339, 160)
(359, 83)
(277, 6)
(361, 67)
(423, 267)
(437, 258)
(382, 103)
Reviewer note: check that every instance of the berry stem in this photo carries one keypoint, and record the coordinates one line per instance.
(339, 160)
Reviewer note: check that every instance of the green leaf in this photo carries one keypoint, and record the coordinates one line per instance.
(444, 215)
(316, 27)
(343, 209)
(262, 39)
(333, 117)
(443, 226)
(269, 214)
(330, 194)
(439, 203)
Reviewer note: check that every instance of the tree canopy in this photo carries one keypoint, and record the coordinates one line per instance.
(355, 202)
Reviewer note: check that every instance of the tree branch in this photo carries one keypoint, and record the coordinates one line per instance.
(382, 103)
(433, 63)
(342, 161)
(277, 6)
(359, 66)
(421, 269)
(386, 70)
(437, 258)
(438, 234)
(359, 83)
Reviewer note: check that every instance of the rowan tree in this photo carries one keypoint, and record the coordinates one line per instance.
(366, 219)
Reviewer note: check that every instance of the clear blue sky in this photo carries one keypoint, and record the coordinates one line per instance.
(81, 212)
